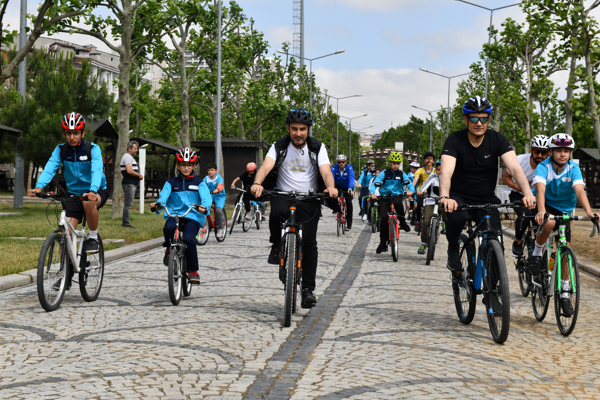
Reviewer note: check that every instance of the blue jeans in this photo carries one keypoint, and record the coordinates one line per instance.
(190, 231)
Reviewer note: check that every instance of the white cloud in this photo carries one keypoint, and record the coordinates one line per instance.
(380, 5)
(278, 34)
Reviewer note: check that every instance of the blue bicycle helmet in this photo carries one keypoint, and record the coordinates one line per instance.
(477, 105)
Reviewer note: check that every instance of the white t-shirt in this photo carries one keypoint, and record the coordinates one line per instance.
(523, 160)
(297, 172)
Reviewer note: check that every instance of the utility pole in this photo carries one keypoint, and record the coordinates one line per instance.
(19, 162)
(218, 133)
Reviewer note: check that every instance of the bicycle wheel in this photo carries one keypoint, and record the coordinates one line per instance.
(339, 223)
(257, 218)
(497, 292)
(373, 220)
(52, 272)
(393, 237)
(290, 279)
(91, 273)
(465, 298)
(540, 300)
(521, 265)
(296, 286)
(431, 239)
(235, 216)
(175, 279)
(222, 237)
(247, 223)
(187, 286)
(203, 234)
(566, 323)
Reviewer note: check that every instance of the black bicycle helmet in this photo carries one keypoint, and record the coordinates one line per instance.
(299, 115)
(429, 154)
(477, 105)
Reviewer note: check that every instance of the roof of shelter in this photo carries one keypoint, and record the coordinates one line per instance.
(155, 142)
(9, 130)
(594, 153)
(103, 128)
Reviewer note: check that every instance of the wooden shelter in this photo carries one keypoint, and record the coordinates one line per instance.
(236, 154)
(589, 162)
(6, 179)
(155, 177)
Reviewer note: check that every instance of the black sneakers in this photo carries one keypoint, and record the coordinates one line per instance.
(567, 307)
(91, 246)
(274, 255)
(166, 257)
(308, 298)
(381, 248)
(534, 265)
(454, 263)
(517, 249)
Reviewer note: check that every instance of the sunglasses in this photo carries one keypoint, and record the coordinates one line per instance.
(540, 152)
(562, 142)
(341, 162)
(483, 120)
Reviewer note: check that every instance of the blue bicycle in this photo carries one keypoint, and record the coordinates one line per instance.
(484, 272)
(255, 216)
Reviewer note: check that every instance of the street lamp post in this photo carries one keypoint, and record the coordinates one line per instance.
(311, 60)
(337, 131)
(487, 61)
(449, 78)
(430, 125)
(350, 148)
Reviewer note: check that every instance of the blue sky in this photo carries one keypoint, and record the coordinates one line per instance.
(386, 42)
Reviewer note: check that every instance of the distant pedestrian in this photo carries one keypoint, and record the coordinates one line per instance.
(131, 179)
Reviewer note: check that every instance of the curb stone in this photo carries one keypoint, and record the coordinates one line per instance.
(30, 276)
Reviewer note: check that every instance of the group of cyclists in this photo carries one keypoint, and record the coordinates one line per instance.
(544, 181)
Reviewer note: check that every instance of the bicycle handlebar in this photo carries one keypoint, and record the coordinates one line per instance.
(161, 206)
(293, 194)
(552, 217)
(62, 198)
(241, 190)
(488, 206)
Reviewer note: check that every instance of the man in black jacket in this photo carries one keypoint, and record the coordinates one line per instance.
(299, 162)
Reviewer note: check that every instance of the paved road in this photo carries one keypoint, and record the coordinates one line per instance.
(380, 330)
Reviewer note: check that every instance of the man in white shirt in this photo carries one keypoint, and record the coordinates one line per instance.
(529, 163)
(297, 162)
(131, 179)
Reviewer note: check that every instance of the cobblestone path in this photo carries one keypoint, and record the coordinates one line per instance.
(380, 330)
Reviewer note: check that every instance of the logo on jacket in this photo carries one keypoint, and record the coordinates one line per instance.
(83, 158)
(193, 187)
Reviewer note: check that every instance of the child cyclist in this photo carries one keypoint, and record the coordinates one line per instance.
(177, 195)
(214, 182)
(392, 183)
(414, 166)
(431, 187)
(559, 185)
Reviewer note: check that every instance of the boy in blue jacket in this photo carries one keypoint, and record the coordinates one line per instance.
(343, 175)
(214, 182)
(178, 194)
(392, 183)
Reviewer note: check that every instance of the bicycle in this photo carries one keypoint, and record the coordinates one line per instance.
(433, 230)
(290, 250)
(393, 223)
(211, 225)
(341, 216)
(548, 282)
(256, 213)
(61, 257)
(528, 243)
(485, 266)
(237, 211)
(177, 273)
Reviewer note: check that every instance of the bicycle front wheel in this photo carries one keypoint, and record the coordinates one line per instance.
(203, 234)
(175, 279)
(91, 273)
(432, 239)
(52, 272)
(248, 220)
(234, 218)
(497, 292)
(221, 237)
(339, 223)
(257, 218)
(187, 286)
(566, 323)
(394, 237)
(465, 299)
(290, 279)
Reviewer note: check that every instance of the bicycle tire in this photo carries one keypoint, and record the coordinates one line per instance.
(220, 239)
(373, 220)
(344, 220)
(289, 280)
(52, 265)
(257, 218)
(91, 273)
(187, 286)
(433, 226)
(497, 285)
(174, 276)
(465, 299)
(235, 217)
(524, 277)
(393, 222)
(296, 286)
(339, 223)
(247, 223)
(567, 324)
(203, 234)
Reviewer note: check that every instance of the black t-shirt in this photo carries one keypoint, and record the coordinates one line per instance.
(247, 180)
(476, 169)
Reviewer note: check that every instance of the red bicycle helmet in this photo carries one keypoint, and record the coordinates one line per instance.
(73, 121)
(186, 155)
(251, 167)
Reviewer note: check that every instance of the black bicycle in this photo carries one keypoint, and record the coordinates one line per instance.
(528, 243)
(433, 230)
(483, 265)
(290, 250)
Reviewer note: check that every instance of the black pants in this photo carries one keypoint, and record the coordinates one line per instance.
(248, 197)
(348, 201)
(307, 215)
(419, 208)
(384, 209)
(190, 231)
(519, 231)
(457, 219)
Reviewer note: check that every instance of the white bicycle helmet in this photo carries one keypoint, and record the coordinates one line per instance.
(415, 164)
(341, 157)
(540, 142)
(562, 140)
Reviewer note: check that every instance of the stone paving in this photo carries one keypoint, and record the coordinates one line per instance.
(380, 330)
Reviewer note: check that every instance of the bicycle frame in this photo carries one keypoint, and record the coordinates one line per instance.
(342, 203)
(484, 233)
(68, 230)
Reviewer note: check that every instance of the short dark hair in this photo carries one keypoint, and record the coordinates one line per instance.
(211, 165)
(131, 143)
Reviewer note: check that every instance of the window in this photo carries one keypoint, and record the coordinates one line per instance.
(112, 59)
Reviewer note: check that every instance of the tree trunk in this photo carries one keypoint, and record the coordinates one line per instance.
(125, 107)
(185, 101)
(590, 79)
(570, 89)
